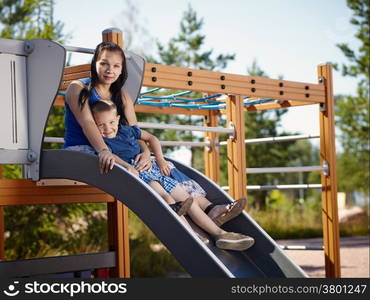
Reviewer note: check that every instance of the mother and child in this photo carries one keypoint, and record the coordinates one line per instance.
(100, 119)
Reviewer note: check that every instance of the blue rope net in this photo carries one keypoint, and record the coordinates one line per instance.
(175, 100)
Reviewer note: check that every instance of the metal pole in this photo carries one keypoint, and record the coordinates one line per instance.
(186, 127)
(284, 187)
(279, 187)
(60, 140)
(276, 139)
(79, 49)
(285, 169)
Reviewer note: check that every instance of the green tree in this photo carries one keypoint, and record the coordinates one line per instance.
(45, 229)
(29, 19)
(352, 111)
(266, 123)
(186, 50)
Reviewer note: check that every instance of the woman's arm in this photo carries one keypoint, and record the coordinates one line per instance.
(142, 159)
(89, 128)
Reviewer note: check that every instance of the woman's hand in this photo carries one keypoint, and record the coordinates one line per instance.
(106, 160)
(143, 161)
(164, 167)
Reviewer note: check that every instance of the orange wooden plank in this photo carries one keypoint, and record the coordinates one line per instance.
(26, 192)
(225, 77)
(76, 69)
(119, 238)
(329, 183)
(212, 155)
(230, 89)
(237, 177)
(169, 110)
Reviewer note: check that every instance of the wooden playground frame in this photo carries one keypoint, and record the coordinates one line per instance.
(289, 93)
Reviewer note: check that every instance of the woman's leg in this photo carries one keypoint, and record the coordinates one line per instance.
(222, 213)
(204, 221)
(224, 240)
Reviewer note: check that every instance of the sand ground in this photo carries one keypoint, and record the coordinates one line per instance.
(354, 256)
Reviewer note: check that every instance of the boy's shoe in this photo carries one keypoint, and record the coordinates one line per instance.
(181, 207)
(234, 241)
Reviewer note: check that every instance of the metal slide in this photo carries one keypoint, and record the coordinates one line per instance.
(264, 259)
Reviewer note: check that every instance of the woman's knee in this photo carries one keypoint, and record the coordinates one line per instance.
(202, 202)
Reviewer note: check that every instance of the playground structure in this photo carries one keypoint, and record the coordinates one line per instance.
(262, 94)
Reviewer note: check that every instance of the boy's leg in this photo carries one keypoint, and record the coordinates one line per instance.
(161, 191)
(180, 207)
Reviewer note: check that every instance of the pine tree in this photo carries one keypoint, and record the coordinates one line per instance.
(186, 50)
(29, 19)
(36, 230)
(353, 110)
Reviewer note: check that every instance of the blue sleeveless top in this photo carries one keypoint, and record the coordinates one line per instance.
(125, 144)
(73, 132)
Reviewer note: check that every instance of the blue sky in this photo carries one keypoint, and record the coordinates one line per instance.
(286, 37)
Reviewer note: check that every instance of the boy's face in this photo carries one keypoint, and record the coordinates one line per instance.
(107, 122)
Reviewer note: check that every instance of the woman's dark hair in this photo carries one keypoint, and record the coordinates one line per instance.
(115, 87)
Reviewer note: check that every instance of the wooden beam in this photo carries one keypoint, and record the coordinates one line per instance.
(117, 212)
(27, 192)
(212, 155)
(170, 110)
(217, 82)
(236, 159)
(329, 182)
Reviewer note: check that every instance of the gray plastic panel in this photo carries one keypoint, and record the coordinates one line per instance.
(266, 255)
(135, 68)
(45, 65)
(13, 104)
(196, 258)
(264, 259)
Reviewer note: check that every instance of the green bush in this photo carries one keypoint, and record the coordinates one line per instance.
(149, 258)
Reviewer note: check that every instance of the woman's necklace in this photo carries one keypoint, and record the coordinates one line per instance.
(104, 94)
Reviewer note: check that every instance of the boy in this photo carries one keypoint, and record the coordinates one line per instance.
(122, 141)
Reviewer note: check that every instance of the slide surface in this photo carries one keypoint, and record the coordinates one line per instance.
(264, 259)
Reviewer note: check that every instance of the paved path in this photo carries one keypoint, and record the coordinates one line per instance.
(354, 255)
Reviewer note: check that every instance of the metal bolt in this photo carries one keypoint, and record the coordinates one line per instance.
(31, 156)
(28, 47)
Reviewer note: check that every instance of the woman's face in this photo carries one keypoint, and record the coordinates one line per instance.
(109, 66)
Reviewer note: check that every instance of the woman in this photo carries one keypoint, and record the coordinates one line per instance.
(108, 75)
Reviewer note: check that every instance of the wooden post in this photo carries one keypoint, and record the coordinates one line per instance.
(117, 212)
(211, 154)
(236, 159)
(328, 181)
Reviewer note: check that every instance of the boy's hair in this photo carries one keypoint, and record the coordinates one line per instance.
(102, 106)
